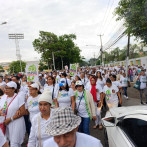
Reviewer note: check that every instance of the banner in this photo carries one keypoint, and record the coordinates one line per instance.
(73, 69)
(32, 72)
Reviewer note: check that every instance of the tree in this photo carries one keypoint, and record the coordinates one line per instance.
(1, 67)
(134, 13)
(64, 49)
(14, 67)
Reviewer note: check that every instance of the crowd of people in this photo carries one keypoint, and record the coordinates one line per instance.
(57, 109)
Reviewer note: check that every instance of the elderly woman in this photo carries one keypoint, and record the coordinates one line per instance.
(9, 105)
(41, 120)
(84, 107)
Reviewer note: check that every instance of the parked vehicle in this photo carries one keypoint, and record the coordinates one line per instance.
(126, 127)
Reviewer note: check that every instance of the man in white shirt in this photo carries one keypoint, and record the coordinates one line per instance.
(63, 127)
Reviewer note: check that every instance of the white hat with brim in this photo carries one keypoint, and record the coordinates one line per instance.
(63, 120)
(46, 96)
(34, 85)
(79, 83)
(12, 84)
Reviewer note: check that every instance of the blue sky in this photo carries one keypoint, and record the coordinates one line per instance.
(85, 18)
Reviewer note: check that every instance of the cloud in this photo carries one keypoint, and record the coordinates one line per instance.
(82, 17)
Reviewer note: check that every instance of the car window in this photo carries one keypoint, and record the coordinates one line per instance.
(136, 129)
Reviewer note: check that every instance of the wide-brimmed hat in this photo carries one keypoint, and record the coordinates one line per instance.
(63, 120)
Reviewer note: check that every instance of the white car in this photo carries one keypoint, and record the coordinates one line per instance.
(126, 127)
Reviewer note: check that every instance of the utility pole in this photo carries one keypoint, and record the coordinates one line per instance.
(53, 60)
(101, 48)
(127, 59)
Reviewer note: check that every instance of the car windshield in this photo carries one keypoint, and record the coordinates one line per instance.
(136, 129)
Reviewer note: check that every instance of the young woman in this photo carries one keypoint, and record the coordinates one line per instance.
(84, 107)
(32, 101)
(41, 120)
(100, 80)
(96, 92)
(9, 105)
(124, 83)
(66, 96)
(52, 86)
(111, 94)
(143, 84)
(73, 85)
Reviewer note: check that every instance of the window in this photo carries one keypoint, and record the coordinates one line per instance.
(136, 129)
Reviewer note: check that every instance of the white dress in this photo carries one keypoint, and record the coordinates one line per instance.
(15, 130)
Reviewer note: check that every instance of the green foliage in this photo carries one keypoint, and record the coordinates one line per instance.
(14, 67)
(42, 66)
(63, 47)
(1, 67)
(134, 13)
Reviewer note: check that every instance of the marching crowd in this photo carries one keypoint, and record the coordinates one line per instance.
(56, 110)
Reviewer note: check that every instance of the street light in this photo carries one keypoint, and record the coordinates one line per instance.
(3, 23)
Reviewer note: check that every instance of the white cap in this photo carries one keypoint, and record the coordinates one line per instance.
(79, 83)
(46, 96)
(12, 84)
(40, 75)
(34, 85)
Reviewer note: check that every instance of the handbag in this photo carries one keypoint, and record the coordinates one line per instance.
(76, 110)
(137, 84)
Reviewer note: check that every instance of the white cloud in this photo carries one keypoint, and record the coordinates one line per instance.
(82, 17)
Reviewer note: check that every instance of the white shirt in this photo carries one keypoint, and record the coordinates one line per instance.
(111, 94)
(64, 97)
(124, 81)
(143, 82)
(81, 105)
(33, 106)
(2, 138)
(3, 84)
(52, 88)
(116, 83)
(83, 140)
(101, 82)
(34, 134)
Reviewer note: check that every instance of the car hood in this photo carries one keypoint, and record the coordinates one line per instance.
(120, 112)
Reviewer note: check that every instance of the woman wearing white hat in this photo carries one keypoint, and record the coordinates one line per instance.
(66, 96)
(32, 101)
(9, 105)
(41, 120)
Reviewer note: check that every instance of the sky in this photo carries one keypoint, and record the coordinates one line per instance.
(85, 18)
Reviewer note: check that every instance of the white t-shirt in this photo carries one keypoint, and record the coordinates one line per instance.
(52, 88)
(64, 97)
(124, 81)
(84, 81)
(33, 106)
(111, 94)
(81, 105)
(2, 138)
(101, 82)
(3, 84)
(143, 82)
(82, 140)
(34, 134)
(117, 83)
